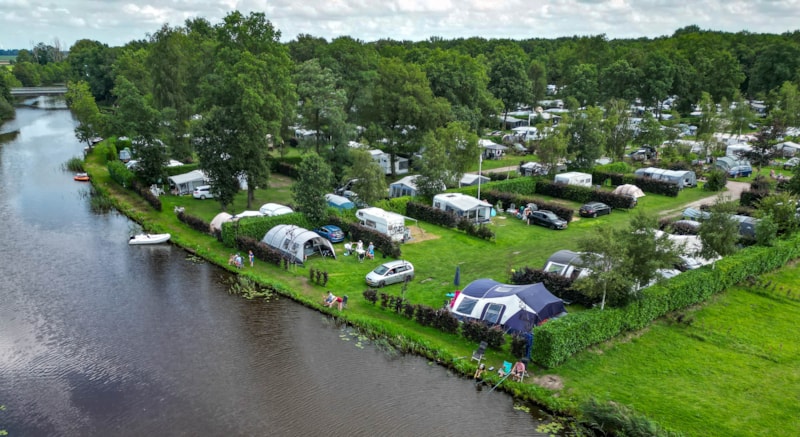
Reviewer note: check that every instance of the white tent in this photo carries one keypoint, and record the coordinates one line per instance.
(629, 190)
(218, 220)
(297, 243)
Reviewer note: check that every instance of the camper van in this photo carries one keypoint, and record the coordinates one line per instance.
(385, 222)
(574, 178)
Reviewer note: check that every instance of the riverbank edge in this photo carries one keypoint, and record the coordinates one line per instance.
(130, 205)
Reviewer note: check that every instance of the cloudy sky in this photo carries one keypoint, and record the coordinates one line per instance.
(24, 23)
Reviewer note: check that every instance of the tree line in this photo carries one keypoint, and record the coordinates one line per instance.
(224, 93)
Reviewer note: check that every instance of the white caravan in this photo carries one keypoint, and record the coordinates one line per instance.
(385, 222)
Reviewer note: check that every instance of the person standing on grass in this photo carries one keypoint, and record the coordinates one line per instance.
(252, 257)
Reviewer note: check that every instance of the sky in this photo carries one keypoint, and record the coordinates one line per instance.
(25, 23)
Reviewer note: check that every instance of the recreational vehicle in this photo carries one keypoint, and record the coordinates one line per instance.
(385, 222)
(574, 178)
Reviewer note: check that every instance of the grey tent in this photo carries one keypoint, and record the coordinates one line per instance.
(297, 243)
(186, 183)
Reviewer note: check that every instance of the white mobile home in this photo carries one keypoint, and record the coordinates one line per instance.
(574, 178)
(463, 205)
(682, 178)
(385, 222)
(385, 161)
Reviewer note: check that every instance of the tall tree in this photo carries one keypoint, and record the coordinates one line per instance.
(739, 114)
(537, 73)
(585, 137)
(617, 125)
(656, 80)
(553, 147)
(81, 102)
(246, 100)
(619, 81)
(463, 81)
(403, 108)
(321, 102)
(583, 84)
(449, 152)
(371, 185)
(508, 77)
(92, 62)
(719, 232)
(356, 64)
(314, 180)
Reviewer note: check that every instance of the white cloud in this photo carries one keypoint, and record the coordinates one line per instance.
(116, 22)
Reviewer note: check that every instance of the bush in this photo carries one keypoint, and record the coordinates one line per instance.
(716, 180)
(261, 251)
(195, 223)
(146, 194)
(371, 295)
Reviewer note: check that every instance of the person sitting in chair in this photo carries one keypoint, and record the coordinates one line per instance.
(518, 371)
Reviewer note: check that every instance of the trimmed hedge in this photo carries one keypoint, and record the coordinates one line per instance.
(257, 227)
(583, 194)
(559, 285)
(507, 199)
(558, 339)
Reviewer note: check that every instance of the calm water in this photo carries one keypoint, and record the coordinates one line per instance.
(100, 338)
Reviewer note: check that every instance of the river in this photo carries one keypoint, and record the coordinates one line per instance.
(101, 338)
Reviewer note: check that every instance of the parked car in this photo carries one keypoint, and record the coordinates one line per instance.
(202, 192)
(333, 233)
(593, 209)
(790, 164)
(390, 273)
(547, 219)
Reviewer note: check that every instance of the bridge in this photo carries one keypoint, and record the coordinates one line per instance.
(39, 91)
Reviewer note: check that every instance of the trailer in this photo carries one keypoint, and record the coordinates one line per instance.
(574, 178)
(681, 178)
(385, 222)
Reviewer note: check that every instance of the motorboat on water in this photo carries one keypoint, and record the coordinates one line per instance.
(149, 239)
(83, 177)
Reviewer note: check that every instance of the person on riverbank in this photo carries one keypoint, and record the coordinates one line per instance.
(252, 257)
(480, 371)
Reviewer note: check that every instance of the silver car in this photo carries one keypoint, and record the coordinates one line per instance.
(389, 273)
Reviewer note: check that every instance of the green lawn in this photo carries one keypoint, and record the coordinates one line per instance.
(730, 368)
(732, 371)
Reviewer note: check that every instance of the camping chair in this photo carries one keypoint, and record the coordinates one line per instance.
(506, 368)
(477, 354)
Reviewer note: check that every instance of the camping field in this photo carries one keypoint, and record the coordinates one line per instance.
(728, 368)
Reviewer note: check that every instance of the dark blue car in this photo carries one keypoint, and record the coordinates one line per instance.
(333, 233)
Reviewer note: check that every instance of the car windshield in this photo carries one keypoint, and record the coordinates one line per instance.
(381, 270)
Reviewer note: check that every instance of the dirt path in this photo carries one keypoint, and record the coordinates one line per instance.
(733, 191)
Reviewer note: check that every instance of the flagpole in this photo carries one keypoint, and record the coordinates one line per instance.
(480, 162)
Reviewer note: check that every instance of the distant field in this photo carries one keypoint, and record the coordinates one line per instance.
(6, 58)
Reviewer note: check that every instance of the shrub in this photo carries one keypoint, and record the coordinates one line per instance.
(261, 251)
(371, 295)
(120, 174)
(195, 223)
(146, 194)
(716, 180)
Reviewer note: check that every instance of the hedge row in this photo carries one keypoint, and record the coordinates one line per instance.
(583, 194)
(441, 319)
(257, 227)
(260, 250)
(148, 195)
(648, 185)
(507, 199)
(522, 186)
(431, 215)
(355, 231)
(120, 174)
(558, 339)
(195, 223)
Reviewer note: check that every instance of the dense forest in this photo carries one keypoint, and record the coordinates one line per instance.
(220, 93)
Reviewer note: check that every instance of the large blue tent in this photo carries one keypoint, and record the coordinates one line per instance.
(515, 307)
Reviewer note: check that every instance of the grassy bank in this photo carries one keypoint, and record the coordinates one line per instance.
(652, 371)
(728, 368)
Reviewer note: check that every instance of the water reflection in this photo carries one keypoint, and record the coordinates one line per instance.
(101, 338)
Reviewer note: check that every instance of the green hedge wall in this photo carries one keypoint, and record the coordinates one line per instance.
(557, 340)
(257, 227)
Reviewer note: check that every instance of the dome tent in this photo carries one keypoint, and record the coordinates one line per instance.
(629, 190)
(297, 243)
(516, 307)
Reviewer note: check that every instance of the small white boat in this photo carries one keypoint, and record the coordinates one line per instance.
(149, 239)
